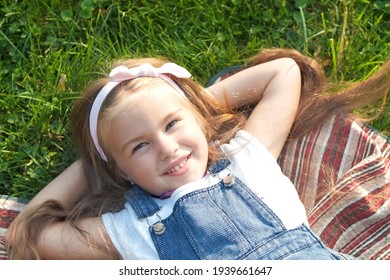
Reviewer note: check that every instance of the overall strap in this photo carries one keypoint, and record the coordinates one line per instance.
(219, 166)
(142, 202)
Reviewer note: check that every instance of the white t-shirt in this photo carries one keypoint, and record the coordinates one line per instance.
(251, 162)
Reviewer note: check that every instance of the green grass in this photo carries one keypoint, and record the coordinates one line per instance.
(49, 50)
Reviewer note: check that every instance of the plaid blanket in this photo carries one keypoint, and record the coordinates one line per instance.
(350, 212)
(10, 207)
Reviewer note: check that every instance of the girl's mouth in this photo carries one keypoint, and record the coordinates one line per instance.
(176, 170)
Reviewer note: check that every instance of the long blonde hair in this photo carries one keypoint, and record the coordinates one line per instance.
(218, 122)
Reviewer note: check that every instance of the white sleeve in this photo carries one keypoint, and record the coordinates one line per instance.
(129, 235)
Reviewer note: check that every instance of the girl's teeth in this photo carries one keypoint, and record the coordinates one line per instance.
(177, 167)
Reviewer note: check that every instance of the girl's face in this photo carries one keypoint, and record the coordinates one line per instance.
(157, 142)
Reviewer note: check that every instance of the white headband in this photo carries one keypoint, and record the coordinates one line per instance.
(121, 74)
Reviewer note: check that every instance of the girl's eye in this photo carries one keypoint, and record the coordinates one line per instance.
(139, 146)
(170, 125)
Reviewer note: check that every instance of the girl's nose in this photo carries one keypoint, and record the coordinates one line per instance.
(167, 146)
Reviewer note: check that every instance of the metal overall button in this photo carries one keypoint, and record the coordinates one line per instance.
(159, 227)
(228, 181)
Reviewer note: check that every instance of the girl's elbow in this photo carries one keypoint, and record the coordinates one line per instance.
(292, 71)
(292, 67)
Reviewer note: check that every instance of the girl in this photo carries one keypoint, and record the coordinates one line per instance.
(174, 171)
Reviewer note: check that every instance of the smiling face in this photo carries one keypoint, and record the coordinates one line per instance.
(156, 141)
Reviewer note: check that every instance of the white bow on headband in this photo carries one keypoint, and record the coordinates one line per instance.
(121, 74)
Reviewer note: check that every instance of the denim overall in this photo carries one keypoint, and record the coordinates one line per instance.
(225, 221)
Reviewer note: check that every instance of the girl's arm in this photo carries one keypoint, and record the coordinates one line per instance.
(59, 239)
(66, 188)
(62, 241)
(275, 87)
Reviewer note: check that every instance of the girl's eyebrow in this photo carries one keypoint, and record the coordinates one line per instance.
(169, 115)
(162, 123)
